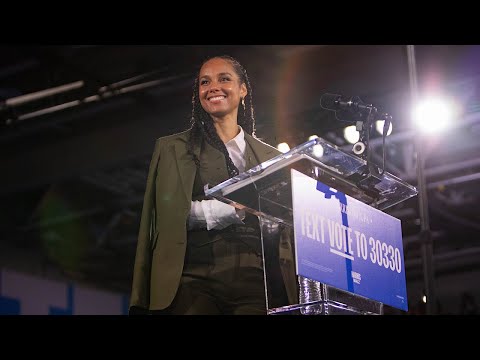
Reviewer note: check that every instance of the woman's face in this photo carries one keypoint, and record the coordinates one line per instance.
(220, 90)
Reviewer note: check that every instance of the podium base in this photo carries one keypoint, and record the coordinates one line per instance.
(329, 301)
(320, 308)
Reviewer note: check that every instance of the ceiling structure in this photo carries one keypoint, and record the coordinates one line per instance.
(78, 124)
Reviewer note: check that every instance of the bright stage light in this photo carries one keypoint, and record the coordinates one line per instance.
(433, 115)
(283, 147)
(379, 127)
(351, 134)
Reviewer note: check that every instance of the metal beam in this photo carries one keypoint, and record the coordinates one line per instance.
(134, 131)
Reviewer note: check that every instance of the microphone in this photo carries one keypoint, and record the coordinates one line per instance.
(336, 102)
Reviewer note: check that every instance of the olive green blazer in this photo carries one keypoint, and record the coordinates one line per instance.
(162, 235)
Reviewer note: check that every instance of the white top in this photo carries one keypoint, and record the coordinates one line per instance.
(214, 214)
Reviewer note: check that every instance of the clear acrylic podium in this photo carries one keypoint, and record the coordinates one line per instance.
(266, 191)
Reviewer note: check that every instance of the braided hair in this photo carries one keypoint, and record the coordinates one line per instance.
(202, 124)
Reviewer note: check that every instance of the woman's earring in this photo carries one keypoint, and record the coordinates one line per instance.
(243, 103)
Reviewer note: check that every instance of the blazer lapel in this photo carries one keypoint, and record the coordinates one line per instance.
(262, 151)
(186, 167)
(213, 163)
(213, 166)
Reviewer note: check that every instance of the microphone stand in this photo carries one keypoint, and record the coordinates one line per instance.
(369, 175)
(364, 115)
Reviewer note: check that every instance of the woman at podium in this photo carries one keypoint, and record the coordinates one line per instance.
(197, 255)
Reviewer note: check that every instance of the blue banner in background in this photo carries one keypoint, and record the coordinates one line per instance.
(26, 294)
(344, 243)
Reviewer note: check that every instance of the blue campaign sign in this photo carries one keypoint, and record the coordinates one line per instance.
(344, 243)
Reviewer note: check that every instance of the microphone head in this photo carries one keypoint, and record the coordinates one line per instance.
(330, 101)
